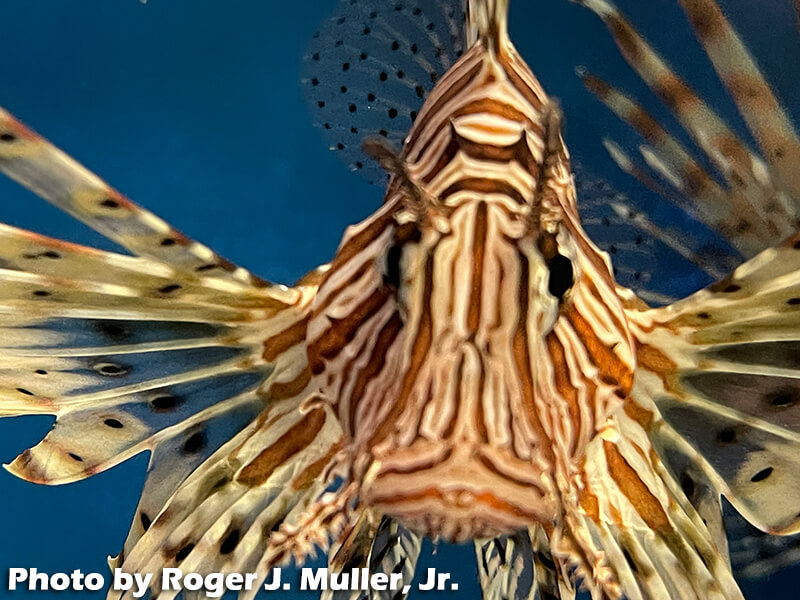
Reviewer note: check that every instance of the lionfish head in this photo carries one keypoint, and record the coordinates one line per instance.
(484, 190)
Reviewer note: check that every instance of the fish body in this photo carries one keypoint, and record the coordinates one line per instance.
(467, 366)
(462, 296)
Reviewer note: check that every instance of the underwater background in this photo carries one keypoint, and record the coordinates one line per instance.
(194, 109)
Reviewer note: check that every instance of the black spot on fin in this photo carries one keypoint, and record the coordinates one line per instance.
(370, 66)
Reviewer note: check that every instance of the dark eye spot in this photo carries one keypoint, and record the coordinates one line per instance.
(112, 330)
(732, 288)
(164, 402)
(110, 369)
(727, 436)
(75, 457)
(184, 552)
(761, 475)
(8, 137)
(230, 542)
(782, 400)
(391, 276)
(687, 485)
(25, 392)
(195, 443)
(168, 289)
(113, 423)
(109, 203)
(560, 276)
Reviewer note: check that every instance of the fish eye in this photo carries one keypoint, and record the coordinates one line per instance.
(561, 275)
(391, 274)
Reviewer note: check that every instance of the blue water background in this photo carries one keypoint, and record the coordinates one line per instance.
(193, 108)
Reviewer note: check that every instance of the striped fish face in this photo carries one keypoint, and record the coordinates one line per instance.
(469, 333)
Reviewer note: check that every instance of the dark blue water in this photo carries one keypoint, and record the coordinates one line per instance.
(193, 109)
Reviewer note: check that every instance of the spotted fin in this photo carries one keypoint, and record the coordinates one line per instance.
(47, 171)
(759, 201)
(206, 368)
(722, 366)
(370, 66)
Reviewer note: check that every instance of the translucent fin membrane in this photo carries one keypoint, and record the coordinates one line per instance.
(651, 259)
(726, 371)
(172, 351)
(371, 65)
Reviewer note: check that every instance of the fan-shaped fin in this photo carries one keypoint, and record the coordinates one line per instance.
(723, 368)
(173, 351)
(761, 204)
(123, 350)
(370, 66)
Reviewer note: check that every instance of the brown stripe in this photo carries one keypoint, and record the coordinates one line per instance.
(483, 185)
(280, 342)
(374, 367)
(361, 240)
(480, 417)
(564, 387)
(288, 389)
(509, 62)
(496, 467)
(342, 331)
(297, 439)
(485, 498)
(478, 260)
(459, 381)
(431, 111)
(416, 468)
(369, 263)
(645, 503)
(608, 363)
(310, 474)
(521, 349)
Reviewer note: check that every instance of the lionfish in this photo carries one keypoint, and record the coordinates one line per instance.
(467, 367)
